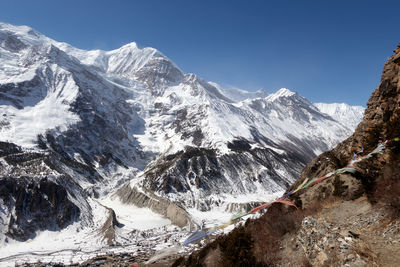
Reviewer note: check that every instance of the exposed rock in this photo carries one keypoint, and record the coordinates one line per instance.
(37, 191)
(36, 204)
(108, 229)
(11, 42)
(212, 174)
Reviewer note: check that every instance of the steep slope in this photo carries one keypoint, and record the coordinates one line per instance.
(230, 154)
(37, 194)
(348, 219)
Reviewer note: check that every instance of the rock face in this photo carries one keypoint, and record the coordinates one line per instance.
(39, 192)
(343, 218)
(35, 202)
(203, 170)
(36, 205)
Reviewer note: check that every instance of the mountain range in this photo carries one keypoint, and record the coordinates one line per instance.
(81, 128)
(349, 218)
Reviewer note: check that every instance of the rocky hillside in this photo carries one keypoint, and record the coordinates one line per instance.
(345, 220)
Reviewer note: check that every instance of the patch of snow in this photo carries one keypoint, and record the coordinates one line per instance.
(50, 113)
(134, 218)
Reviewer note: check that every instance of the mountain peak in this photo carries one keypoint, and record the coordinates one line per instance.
(131, 45)
(25, 31)
(6, 26)
(283, 92)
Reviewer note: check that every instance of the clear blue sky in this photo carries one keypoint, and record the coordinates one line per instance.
(329, 51)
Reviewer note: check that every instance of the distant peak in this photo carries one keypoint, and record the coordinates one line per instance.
(329, 107)
(283, 92)
(18, 29)
(131, 45)
(261, 91)
(134, 47)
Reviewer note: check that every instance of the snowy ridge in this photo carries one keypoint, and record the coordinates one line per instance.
(283, 92)
(89, 122)
(237, 94)
(342, 112)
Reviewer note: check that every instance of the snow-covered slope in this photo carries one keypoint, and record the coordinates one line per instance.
(129, 124)
(342, 112)
(237, 94)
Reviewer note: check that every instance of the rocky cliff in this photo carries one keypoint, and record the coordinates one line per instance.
(346, 220)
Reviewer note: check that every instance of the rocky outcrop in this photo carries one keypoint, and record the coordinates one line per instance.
(108, 229)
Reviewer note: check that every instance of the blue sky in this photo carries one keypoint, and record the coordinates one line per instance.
(328, 51)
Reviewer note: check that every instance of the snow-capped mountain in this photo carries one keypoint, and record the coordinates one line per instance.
(348, 115)
(81, 128)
